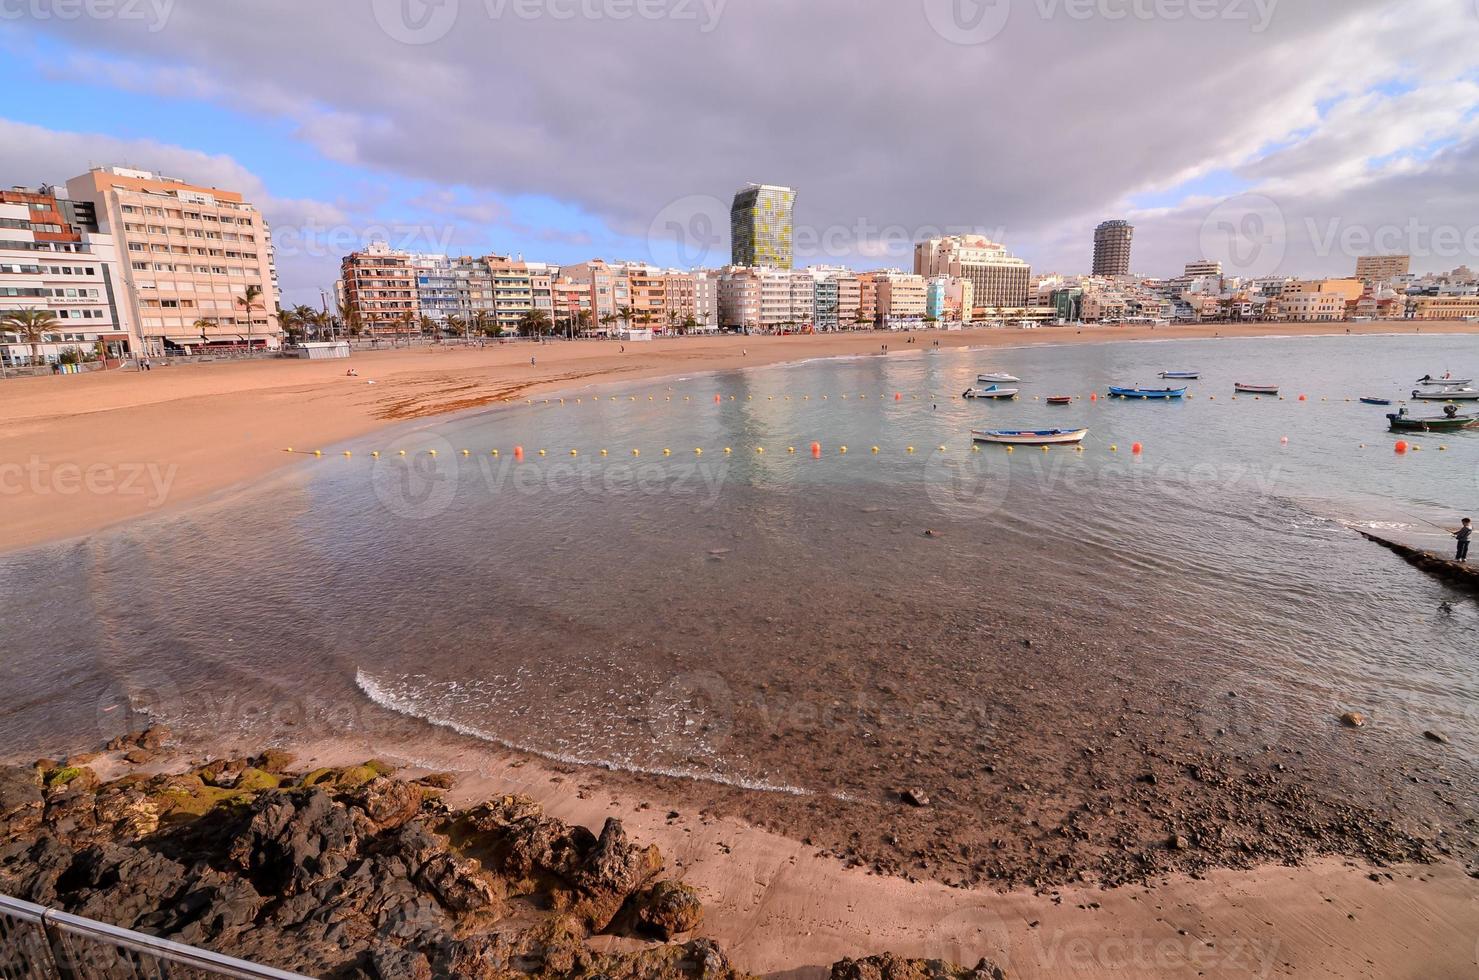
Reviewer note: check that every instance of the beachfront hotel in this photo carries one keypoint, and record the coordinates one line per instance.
(760, 226)
(53, 259)
(1112, 241)
(999, 280)
(1382, 268)
(197, 263)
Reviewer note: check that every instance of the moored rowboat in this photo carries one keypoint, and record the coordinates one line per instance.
(1161, 393)
(1376, 401)
(1060, 400)
(1031, 437)
(1182, 375)
(987, 379)
(1247, 389)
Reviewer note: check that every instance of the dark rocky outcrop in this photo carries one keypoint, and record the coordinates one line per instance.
(351, 872)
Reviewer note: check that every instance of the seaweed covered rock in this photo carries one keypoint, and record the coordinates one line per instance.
(666, 909)
(890, 967)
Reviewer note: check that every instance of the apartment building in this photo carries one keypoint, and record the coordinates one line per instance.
(379, 291)
(608, 286)
(1445, 307)
(1112, 243)
(999, 279)
(53, 259)
(197, 262)
(1382, 268)
(901, 298)
(1320, 299)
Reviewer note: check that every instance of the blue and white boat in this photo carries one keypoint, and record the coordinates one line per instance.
(991, 392)
(1181, 375)
(1030, 437)
(1372, 400)
(1157, 393)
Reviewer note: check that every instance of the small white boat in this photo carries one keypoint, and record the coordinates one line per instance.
(1444, 382)
(987, 379)
(1030, 437)
(1247, 389)
(1448, 395)
(991, 392)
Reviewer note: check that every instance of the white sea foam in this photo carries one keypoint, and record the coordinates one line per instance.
(385, 698)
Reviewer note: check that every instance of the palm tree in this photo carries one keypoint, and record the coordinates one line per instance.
(583, 322)
(607, 319)
(252, 300)
(625, 313)
(455, 326)
(429, 328)
(32, 325)
(534, 322)
(482, 322)
(291, 323)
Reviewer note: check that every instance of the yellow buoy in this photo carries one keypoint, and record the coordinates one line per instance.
(759, 449)
(318, 452)
(376, 454)
(842, 450)
(348, 453)
(910, 449)
(575, 452)
(604, 453)
(667, 452)
(467, 452)
(698, 452)
(403, 452)
(495, 453)
(636, 452)
(728, 451)
(541, 452)
(875, 450)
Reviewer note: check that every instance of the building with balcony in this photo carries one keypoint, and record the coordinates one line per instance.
(1112, 241)
(999, 280)
(53, 259)
(197, 262)
(378, 286)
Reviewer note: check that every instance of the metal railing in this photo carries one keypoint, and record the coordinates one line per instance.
(38, 943)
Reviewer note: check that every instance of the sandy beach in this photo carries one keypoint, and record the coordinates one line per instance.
(82, 452)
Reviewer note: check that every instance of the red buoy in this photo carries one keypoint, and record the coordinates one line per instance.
(898, 397)
(1094, 397)
(816, 449)
(1401, 446)
(519, 452)
(1137, 449)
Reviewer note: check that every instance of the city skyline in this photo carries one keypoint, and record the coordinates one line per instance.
(1355, 145)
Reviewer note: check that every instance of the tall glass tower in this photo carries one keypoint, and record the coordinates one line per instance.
(760, 226)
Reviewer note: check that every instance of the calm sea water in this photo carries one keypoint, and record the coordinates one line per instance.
(756, 618)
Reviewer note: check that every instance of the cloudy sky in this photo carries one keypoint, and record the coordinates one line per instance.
(1280, 136)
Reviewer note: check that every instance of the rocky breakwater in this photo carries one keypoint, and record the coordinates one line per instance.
(348, 872)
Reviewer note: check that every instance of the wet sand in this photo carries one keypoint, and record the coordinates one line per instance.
(780, 907)
(82, 452)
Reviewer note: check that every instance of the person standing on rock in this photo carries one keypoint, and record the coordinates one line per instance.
(1463, 534)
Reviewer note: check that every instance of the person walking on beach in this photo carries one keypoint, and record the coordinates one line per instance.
(531, 361)
(1463, 534)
